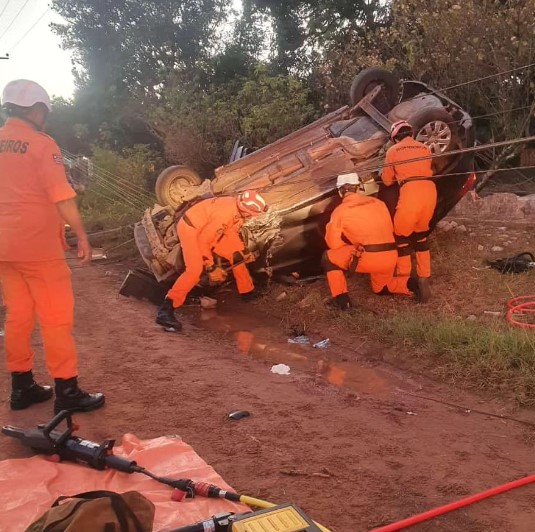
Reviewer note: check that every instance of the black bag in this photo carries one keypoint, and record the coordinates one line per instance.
(518, 264)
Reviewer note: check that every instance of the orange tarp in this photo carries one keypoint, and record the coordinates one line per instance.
(28, 486)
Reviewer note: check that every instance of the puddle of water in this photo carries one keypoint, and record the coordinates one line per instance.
(257, 341)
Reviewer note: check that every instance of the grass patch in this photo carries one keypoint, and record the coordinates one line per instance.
(490, 356)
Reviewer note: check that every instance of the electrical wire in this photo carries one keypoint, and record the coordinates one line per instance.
(131, 185)
(133, 198)
(321, 179)
(5, 7)
(523, 67)
(30, 29)
(357, 142)
(14, 18)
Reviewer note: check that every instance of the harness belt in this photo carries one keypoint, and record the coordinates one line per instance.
(421, 246)
(375, 248)
(416, 180)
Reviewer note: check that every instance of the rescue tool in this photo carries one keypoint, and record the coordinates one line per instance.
(63, 444)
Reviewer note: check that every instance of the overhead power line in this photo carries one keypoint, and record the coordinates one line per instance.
(502, 73)
(14, 18)
(30, 29)
(5, 7)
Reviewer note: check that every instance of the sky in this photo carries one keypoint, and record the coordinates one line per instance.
(33, 48)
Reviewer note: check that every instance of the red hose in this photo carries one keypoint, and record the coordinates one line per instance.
(415, 519)
(521, 305)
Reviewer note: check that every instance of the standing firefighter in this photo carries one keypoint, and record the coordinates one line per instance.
(360, 238)
(212, 226)
(417, 201)
(35, 201)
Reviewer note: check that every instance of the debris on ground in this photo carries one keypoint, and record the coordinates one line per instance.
(322, 344)
(281, 296)
(517, 264)
(280, 369)
(238, 414)
(302, 339)
(208, 302)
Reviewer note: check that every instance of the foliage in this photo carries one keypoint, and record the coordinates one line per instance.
(303, 25)
(449, 43)
(126, 47)
(200, 127)
(138, 164)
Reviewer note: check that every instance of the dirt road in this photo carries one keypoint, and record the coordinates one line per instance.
(339, 435)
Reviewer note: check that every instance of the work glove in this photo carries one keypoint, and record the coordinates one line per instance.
(249, 257)
(217, 275)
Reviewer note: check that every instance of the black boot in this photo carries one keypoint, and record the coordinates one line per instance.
(420, 287)
(251, 296)
(166, 316)
(26, 392)
(340, 302)
(70, 397)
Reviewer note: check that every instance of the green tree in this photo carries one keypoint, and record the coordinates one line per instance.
(200, 128)
(446, 44)
(300, 26)
(131, 47)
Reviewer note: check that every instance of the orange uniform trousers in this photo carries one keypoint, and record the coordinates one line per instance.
(415, 208)
(41, 289)
(379, 264)
(227, 247)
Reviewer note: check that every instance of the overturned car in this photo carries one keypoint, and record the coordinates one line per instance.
(297, 175)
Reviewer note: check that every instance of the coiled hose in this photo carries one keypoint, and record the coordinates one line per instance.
(519, 308)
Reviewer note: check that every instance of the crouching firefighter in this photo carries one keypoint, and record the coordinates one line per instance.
(212, 226)
(417, 201)
(360, 238)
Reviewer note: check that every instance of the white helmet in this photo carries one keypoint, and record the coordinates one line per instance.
(348, 179)
(25, 93)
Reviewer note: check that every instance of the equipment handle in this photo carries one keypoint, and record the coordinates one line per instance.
(53, 423)
(13, 432)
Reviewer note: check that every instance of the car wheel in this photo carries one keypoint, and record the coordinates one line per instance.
(436, 129)
(370, 78)
(172, 183)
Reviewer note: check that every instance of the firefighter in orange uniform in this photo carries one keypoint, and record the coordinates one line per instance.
(210, 227)
(360, 238)
(35, 202)
(417, 201)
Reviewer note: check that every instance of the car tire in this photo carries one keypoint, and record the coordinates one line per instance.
(171, 182)
(435, 128)
(367, 80)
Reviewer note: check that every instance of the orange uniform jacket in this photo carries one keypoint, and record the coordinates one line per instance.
(32, 180)
(361, 220)
(417, 200)
(404, 150)
(210, 225)
(34, 274)
(214, 218)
